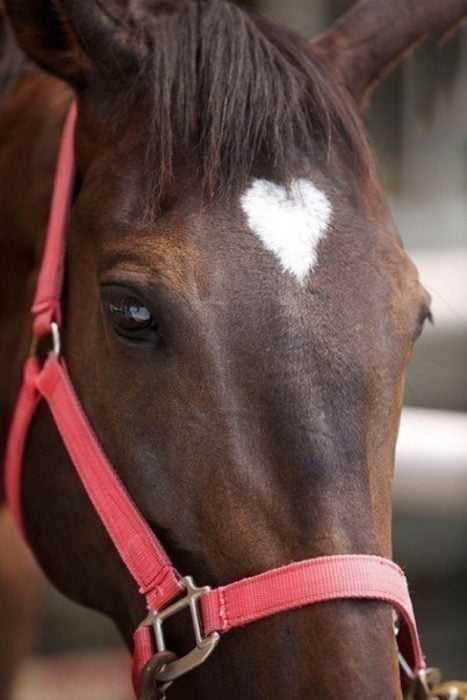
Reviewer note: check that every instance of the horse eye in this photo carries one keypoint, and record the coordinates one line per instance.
(129, 315)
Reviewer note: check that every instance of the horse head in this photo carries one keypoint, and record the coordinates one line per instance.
(240, 312)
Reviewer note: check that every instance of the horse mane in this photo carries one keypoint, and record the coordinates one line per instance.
(239, 95)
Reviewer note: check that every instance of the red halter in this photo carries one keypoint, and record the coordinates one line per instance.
(213, 612)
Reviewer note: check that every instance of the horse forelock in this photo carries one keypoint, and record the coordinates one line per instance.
(236, 96)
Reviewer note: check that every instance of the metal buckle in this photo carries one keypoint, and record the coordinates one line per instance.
(56, 345)
(204, 645)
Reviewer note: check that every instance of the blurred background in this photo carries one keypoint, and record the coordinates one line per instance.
(417, 122)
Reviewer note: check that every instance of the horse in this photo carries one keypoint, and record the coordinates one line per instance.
(239, 311)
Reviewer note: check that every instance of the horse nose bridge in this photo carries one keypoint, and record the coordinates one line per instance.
(293, 468)
(326, 494)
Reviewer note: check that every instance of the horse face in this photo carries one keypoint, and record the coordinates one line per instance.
(263, 336)
(242, 362)
(241, 357)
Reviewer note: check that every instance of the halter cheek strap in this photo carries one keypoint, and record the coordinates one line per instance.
(213, 612)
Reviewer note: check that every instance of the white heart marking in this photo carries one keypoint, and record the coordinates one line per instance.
(289, 223)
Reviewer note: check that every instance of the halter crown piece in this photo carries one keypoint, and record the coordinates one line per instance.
(213, 612)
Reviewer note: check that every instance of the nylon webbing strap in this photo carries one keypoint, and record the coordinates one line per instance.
(340, 577)
(137, 545)
(308, 582)
(26, 406)
(47, 306)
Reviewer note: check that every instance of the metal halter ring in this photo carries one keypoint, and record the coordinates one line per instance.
(204, 645)
(56, 345)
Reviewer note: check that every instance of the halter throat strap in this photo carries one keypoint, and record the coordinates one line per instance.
(214, 612)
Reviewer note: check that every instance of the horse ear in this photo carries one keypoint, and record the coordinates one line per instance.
(369, 40)
(72, 39)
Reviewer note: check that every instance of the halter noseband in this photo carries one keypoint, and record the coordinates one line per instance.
(213, 612)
